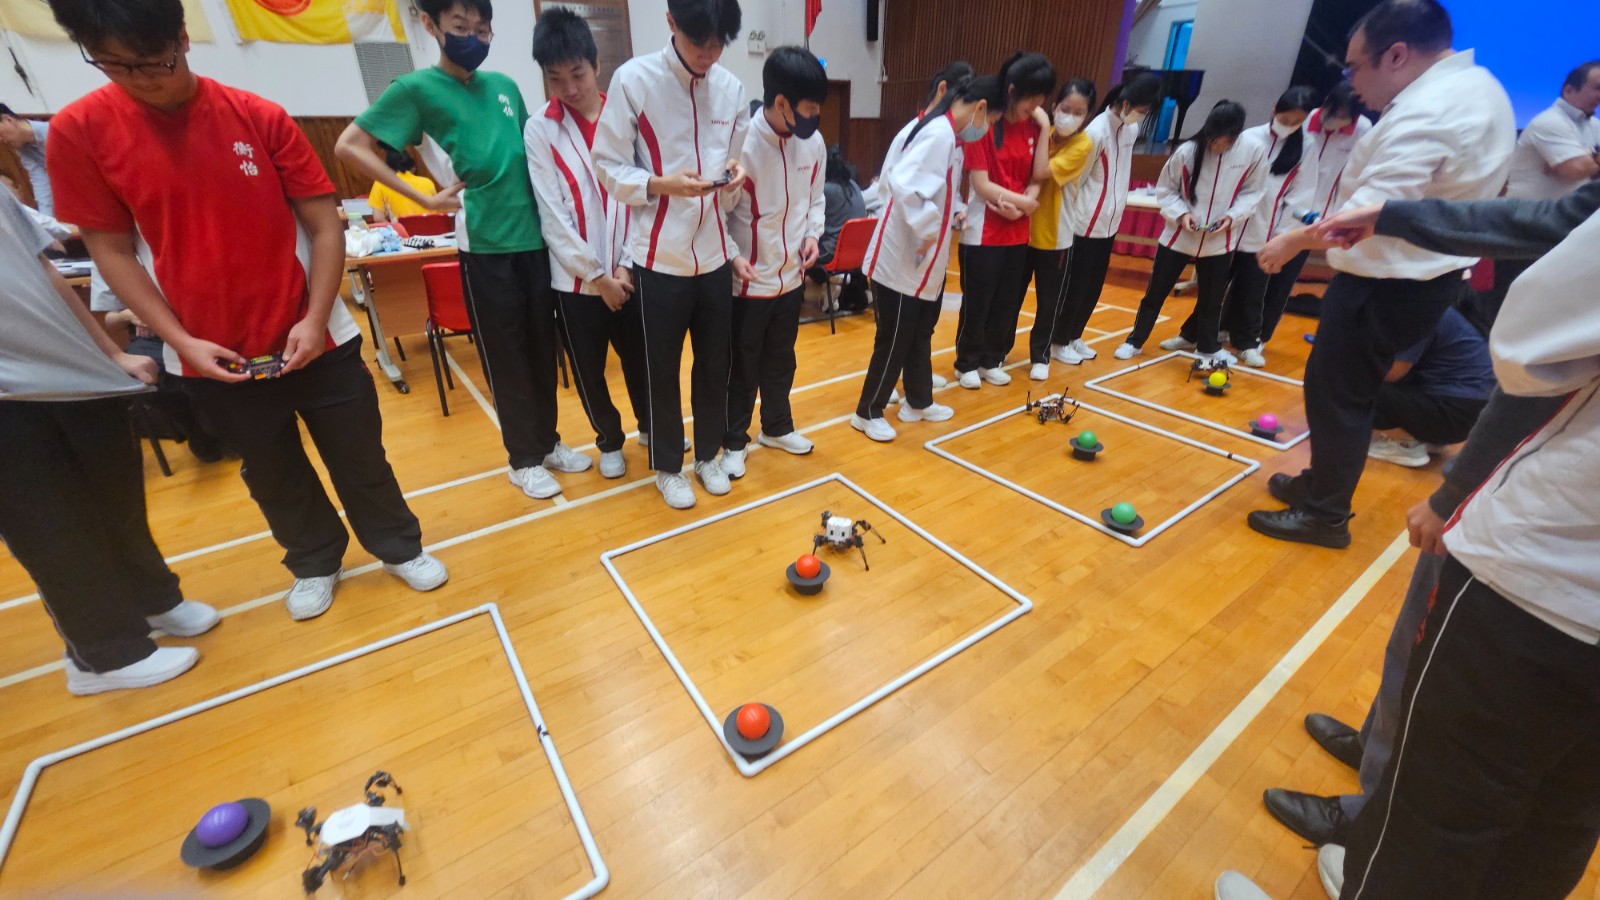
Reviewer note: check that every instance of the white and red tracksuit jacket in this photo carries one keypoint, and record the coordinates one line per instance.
(661, 119)
(1229, 185)
(924, 195)
(585, 227)
(1282, 194)
(1332, 149)
(1102, 195)
(780, 205)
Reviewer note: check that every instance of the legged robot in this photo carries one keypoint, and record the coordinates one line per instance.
(841, 533)
(353, 832)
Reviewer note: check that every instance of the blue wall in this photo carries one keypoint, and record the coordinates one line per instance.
(1530, 45)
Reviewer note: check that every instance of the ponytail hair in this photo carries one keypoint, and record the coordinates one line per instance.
(958, 90)
(1143, 90)
(1226, 119)
(1023, 75)
(1295, 98)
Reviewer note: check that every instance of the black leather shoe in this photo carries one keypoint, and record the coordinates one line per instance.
(1287, 489)
(1302, 527)
(1340, 740)
(1320, 820)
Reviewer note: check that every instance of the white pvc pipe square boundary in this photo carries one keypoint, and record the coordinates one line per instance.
(1097, 384)
(1094, 521)
(752, 768)
(602, 875)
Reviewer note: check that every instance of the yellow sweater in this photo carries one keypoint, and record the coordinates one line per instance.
(1048, 229)
(396, 205)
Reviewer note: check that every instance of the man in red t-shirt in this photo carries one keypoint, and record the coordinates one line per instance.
(215, 195)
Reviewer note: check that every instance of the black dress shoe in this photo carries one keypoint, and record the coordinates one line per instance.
(1302, 527)
(1320, 820)
(1340, 740)
(1287, 489)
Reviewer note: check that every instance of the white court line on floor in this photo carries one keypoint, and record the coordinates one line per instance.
(1094, 874)
(1088, 518)
(597, 883)
(752, 767)
(1098, 384)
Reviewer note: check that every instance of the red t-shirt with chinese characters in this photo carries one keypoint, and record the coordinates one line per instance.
(1009, 166)
(207, 188)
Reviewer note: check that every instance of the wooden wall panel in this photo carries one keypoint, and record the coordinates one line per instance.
(921, 36)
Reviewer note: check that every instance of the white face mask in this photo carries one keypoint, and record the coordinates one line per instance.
(1133, 117)
(1282, 130)
(1067, 123)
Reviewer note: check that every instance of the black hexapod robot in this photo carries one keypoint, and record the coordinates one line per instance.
(366, 829)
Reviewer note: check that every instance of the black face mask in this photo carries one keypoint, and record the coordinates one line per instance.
(804, 126)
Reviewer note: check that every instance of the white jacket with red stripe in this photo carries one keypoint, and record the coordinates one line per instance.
(1282, 194)
(661, 119)
(1102, 195)
(1229, 185)
(1330, 150)
(584, 227)
(923, 187)
(778, 208)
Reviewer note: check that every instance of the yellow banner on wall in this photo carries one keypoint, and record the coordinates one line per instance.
(318, 21)
(34, 19)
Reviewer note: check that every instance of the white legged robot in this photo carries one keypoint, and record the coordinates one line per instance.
(842, 534)
(368, 828)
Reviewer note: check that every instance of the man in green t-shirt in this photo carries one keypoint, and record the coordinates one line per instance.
(477, 119)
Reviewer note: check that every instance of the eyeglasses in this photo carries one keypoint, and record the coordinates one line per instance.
(1354, 67)
(143, 70)
(482, 32)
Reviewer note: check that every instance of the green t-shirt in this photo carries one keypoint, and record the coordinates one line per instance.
(479, 124)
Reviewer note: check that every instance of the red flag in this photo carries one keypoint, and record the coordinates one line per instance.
(813, 9)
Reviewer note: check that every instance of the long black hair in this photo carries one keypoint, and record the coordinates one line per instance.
(952, 74)
(1143, 90)
(1295, 98)
(1342, 100)
(985, 87)
(838, 168)
(1226, 119)
(1023, 75)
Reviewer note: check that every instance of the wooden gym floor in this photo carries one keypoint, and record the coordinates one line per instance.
(1112, 742)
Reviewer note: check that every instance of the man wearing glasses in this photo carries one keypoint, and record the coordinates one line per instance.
(1446, 132)
(477, 119)
(220, 195)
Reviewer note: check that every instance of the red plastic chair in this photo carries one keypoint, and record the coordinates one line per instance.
(429, 224)
(447, 318)
(849, 252)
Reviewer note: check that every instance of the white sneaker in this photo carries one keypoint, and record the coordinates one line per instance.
(311, 597)
(712, 477)
(644, 441)
(1410, 454)
(612, 464)
(165, 664)
(934, 412)
(1177, 343)
(1330, 869)
(878, 429)
(536, 482)
(1233, 885)
(732, 464)
(423, 573)
(1253, 358)
(939, 381)
(566, 459)
(187, 619)
(996, 376)
(1083, 349)
(1039, 372)
(1223, 356)
(793, 442)
(1065, 353)
(675, 489)
(971, 380)
(894, 396)
(1127, 351)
